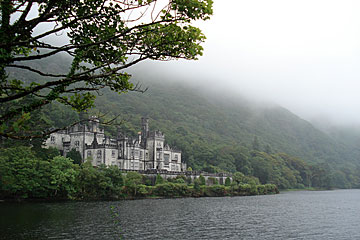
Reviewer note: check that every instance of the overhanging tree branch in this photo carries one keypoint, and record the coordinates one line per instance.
(36, 71)
(105, 37)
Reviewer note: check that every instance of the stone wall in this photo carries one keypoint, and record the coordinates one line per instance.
(152, 173)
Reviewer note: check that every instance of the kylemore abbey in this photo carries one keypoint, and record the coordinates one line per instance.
(145, 152)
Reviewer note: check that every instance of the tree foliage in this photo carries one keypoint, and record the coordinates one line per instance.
(75, 156)
(23, 174)
(103, 39)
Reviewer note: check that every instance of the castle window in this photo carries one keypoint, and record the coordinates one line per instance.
(113, 153)
(88, 154)
(134, 165)
(176, 157)
(166, 159)
(98, 154)
(141, 154)
(77, 143)
(158, 155)
(52, 139)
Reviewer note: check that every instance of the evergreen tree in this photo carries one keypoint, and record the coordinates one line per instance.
(75, 156)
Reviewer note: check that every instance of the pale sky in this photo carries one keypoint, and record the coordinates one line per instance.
(303, 54)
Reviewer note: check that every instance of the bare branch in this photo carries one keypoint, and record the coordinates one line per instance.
(23, 16)
(36, 71)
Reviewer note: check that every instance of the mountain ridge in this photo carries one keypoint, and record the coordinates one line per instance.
(234, 121)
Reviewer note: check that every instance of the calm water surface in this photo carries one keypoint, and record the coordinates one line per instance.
(290, 215)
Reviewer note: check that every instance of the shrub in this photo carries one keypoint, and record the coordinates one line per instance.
(215, 191)
(202, 181)
(146, 180)
(180, 180)
(271, 189)
(189, 180)
(261, 189)
(142, 190)
(159, 179)
(172, 190)
(227, 182)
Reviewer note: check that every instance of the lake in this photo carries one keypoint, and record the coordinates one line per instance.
(289, 215)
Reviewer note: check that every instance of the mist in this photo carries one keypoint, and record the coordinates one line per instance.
(302, 55)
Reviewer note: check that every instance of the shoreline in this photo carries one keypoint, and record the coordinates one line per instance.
(35, 200)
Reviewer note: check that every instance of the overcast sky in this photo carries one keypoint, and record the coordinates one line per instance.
(303, 54)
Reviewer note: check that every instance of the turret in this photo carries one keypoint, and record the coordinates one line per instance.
(94, 123)
(144, 131)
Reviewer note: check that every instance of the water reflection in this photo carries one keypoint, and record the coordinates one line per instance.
(292, 215)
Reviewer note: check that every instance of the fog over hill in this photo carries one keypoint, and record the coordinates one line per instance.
(219, 115)
(218, 129)
(274, 96)
(216, 114)
(302, 55)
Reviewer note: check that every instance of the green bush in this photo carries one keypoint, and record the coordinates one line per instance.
(142, 190)
(172, 190)
(188, 180)
(271, 189)
(202, 180)
(159, 179)
(215, 191)
(261, 189)
(227, 182)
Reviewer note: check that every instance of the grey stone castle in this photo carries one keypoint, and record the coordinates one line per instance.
(145, 152)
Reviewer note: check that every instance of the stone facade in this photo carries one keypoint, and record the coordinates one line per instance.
(145, 152)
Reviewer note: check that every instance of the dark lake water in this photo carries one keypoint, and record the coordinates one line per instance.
(290, 215)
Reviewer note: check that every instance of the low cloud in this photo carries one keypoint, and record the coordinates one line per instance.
(302, 55)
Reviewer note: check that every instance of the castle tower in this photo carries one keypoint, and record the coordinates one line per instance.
(144, 131)
(94, 123)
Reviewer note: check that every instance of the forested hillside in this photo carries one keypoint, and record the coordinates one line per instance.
(199, 117)
(219, 131)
